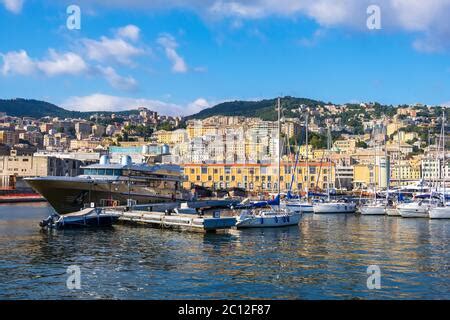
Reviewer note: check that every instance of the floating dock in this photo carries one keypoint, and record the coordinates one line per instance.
(184, 222)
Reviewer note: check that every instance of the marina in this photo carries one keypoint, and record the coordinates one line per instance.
(324, 257)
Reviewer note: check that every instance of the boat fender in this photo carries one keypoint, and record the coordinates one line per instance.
(276, 219)
(262, 220)
(287, 218)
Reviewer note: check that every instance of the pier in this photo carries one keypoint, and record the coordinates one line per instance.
(182, 222)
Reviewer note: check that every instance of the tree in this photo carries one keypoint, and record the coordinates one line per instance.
(361, 144)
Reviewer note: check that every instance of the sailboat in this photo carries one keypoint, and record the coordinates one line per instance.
(376, 206)
(426, 203)
(329, 206)
(296, 203)
(444, 211)
(276, 216)
(392, 210)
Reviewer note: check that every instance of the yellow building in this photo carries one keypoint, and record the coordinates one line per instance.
(405, 172)
(365, 176)
(9, 137)
(171, 137)
(196, 128)
(258, 177)
(345, 146)
(393, 127)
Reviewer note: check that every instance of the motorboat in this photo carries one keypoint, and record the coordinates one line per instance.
(90, 217)
(417, 209)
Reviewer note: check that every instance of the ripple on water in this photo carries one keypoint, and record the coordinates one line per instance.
(326, 257)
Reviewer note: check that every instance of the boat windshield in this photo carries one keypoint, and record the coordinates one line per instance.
(102, 172)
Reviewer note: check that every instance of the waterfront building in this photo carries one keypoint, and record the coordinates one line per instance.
(15, 167)
(257, 177)
(405, 172)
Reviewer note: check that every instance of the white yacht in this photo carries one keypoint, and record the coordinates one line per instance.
(374, 208)
(275, 216)
(330, 206)
(417, 209)
(444, 211)
(393, 211)
(440, 212)
(334, 207)
(255, 218)
(299, 205)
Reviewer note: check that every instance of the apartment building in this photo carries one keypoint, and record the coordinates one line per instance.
(259, 177)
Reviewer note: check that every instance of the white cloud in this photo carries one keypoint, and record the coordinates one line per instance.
(64, 63)
(197, 106)
(15, 6)
(68, 63)
(17, 62)
(169, 44)
(117, 81)
(111, 49)
(103, 102)
(429, 19)
(130, 32)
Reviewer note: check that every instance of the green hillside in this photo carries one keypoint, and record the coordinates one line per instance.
(264, 109)
(39, 109)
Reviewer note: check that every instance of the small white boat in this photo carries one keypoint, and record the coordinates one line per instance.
(392, 211)
(440, 213)
(373, 209)
(267, 218)
(334, 207)
(418, 209)
(299, 206)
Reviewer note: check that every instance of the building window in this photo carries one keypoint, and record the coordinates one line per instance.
(198, 178)
(204, 170)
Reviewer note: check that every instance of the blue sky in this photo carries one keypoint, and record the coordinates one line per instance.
(178, 56)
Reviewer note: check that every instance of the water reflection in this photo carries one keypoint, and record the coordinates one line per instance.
(326, 257)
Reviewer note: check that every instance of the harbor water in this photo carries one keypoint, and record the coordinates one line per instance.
(325, 257)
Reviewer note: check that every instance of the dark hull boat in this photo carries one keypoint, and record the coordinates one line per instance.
(108, 185)
(92, 217)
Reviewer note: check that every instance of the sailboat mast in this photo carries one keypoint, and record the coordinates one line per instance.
(329, 162)
(307, 156)
(444, 164)
(279, 147)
